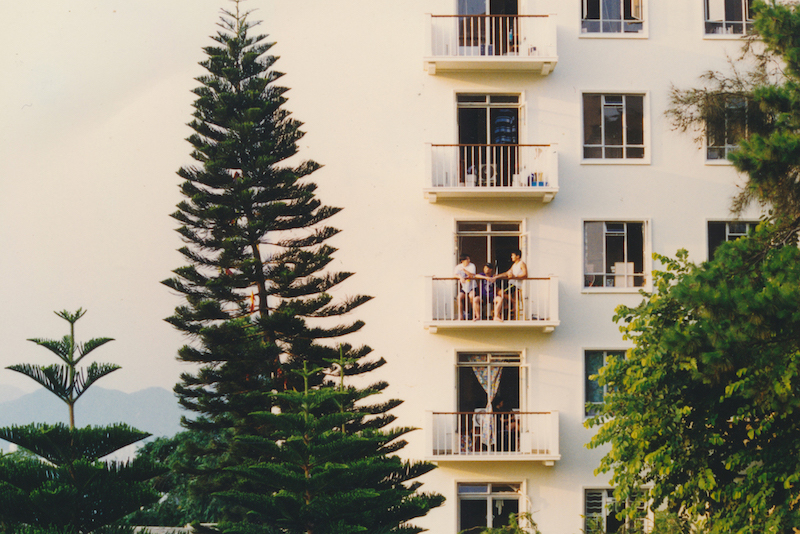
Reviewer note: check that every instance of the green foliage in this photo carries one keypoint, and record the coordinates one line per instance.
(177, 505)
(60, 485)
(322, 478)
(703, 413)
(768, 77)
(67, 381)
(257, 306)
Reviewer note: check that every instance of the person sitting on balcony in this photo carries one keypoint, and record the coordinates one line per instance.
(515, 275)
(465, 272)
(485, 294)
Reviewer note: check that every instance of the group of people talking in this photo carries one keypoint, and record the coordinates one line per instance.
(477, 290)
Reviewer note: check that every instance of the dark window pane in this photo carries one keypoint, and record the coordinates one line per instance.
(592, 132)
(613, 153)
(501, 509)
(634, 111)
(505, 227)
(504, 99)
(733, 10)
(634, 153)
(636, 246)
(594, 361)
(615, 251)
(472, 514)
(593, 152)
(592, 10)
(471, 98)
(472, 126)
(612, 123)
(716, 235)
(472, 226)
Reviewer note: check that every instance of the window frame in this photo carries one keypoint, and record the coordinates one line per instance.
(727, 147)
(622, 34)
(608, 500)
(750, 226)
(517, 359)
(646, 260)
(646, 144)
(586, 380)
(746, 21)
(521, 495)
(521, 234)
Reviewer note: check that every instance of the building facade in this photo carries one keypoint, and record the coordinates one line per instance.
(487, 127)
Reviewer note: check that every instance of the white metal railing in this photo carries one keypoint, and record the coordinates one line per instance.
(492, 35)
(482, 166)
(526, 300)
(482, 433)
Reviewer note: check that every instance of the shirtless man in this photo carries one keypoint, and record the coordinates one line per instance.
(515, 275)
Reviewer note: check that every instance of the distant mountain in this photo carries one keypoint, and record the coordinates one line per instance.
(8, 393)
(154, 410)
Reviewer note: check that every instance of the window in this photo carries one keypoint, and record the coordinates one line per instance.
(612, 16)
(600, 514)
(482, 505)
(613, 254)
(613, 126)
(723, 133)
(594, 392)
(728, 16)
(489, 397)
(720, 232)
(489, 242)
(488, 138)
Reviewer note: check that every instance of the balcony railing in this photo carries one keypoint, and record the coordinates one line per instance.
(533, 303)
(491, 42)
(492, 171)
(468, 436)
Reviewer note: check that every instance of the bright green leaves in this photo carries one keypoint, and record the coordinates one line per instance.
(703, 412)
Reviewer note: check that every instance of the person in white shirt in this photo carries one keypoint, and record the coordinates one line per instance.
(465, 271)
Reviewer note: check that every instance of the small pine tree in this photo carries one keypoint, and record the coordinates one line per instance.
(325, 479)
(64, 486)
(257, 301)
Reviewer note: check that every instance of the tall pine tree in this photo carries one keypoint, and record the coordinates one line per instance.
(256, 290)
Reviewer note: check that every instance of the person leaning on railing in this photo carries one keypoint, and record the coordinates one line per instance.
(515, 275)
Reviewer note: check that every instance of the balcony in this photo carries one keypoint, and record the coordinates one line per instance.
(491, 172)
(534, 306)
(523, 43)
(482, 436)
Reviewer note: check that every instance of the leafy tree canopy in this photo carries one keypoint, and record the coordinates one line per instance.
(703, 413)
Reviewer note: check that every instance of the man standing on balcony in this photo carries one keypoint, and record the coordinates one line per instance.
(465, 272)
(516, 274)
(485, 293)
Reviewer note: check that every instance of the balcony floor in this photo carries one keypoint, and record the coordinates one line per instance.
(542, 65)
(546, 325)
(546, 193)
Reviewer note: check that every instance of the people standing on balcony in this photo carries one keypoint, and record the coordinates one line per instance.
(485, 294)
(515, 275)
(465, 272)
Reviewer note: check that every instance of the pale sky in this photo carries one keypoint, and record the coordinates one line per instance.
(94, 101)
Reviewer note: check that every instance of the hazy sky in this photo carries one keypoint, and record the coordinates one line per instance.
(94, 101)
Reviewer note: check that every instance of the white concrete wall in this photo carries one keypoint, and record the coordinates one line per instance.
(357, 82)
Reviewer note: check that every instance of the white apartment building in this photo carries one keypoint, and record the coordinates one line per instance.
(479, 127)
